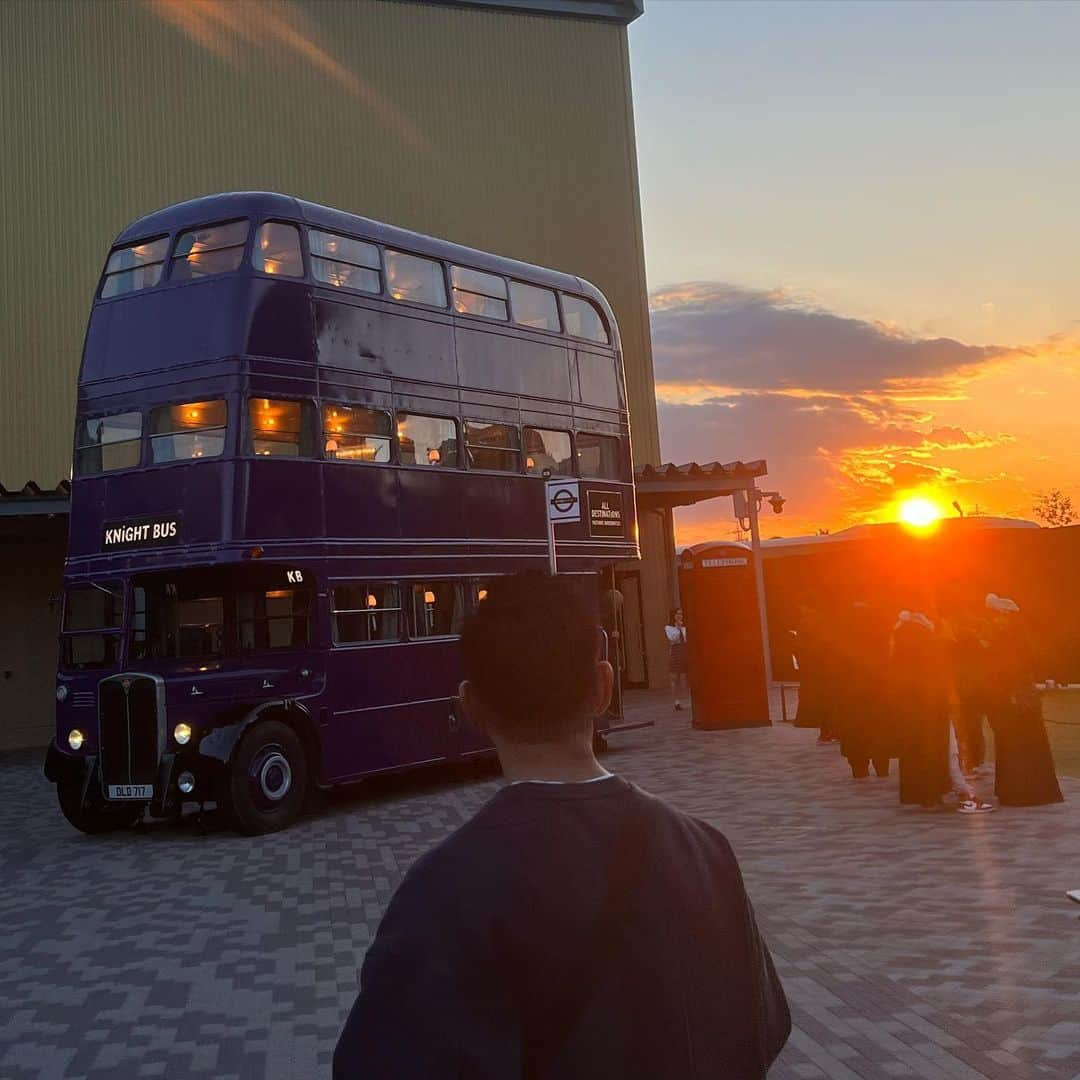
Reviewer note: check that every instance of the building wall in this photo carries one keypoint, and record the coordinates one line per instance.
(506, 131)
(31, 571)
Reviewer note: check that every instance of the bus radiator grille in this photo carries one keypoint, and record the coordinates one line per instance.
(128, 730)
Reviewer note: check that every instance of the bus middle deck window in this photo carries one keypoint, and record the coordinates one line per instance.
(427, 440)
(103, 443)
(356, 433)
(600, 456)
(493, 446)
(280, 428)
(549, 450)
(194, 429)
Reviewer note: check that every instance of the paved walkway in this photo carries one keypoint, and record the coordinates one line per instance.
(911, 945)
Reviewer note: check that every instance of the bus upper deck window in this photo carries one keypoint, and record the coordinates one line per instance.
(280, 428)
(409, 277)
(534, 307)
(427, 440)
(135, 267)
(476, 293)
(212, 249)
(344, 263)
(582, 319)
(277, 250)
(493, 446)
(549, 450)
(103, 443)
(356, 433)
(600, 456)
(194, 429)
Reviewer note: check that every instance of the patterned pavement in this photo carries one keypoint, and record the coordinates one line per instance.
(911, 944)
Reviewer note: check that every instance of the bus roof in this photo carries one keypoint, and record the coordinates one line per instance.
(270, 204)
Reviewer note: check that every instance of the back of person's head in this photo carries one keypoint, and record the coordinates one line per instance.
(531, 653)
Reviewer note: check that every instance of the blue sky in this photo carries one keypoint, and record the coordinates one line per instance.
(910, 168)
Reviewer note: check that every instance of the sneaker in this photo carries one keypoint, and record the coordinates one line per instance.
(975, 806)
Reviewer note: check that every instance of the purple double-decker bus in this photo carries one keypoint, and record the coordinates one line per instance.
(305, 441)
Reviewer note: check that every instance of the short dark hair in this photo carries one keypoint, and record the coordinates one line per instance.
(531, 651)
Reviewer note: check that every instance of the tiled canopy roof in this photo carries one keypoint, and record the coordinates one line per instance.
(32, 499)
(664, 486)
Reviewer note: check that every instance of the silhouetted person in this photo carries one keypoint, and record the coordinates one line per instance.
(1024, 773)
(576, 927)
(920, 691)
(808, 649)
(862, 702)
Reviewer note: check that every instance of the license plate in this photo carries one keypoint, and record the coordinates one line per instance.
(131, 791)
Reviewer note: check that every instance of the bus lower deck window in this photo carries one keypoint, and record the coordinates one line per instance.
(437, 609)
(277, 250)
(600, 456)
(273, 618)
(280, 428)
(194, 429)
(366, 612)
(427, 440)
(356, 433)
(551, 450)
(344, 263)
(493, 446)
(103, 443)
(208, 250)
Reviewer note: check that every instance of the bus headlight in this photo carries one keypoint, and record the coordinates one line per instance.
(75, 739)
(182, 733)
(61, 693)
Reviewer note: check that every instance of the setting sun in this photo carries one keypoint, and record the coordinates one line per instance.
(920, 512)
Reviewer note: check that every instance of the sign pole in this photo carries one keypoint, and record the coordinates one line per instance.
(759, 579)
(553, 562)
(563, 499)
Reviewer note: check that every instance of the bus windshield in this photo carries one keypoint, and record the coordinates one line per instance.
(210, 613)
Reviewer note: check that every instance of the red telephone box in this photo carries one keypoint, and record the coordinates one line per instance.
(723, 636)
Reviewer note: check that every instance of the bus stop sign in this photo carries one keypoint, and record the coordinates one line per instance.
(563, 500)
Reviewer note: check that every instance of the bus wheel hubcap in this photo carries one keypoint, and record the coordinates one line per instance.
(274, 775)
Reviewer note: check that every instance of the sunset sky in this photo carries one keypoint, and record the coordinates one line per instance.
(862, 235)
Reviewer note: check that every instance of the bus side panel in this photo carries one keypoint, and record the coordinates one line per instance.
(197, 321)
(504, 507)
(279, 499)
(373, 725)
(415, 345)
(431, 503)
(280, 322)
(599, 380)
(361, 501)
(512, 365)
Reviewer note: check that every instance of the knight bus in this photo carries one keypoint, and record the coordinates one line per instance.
(304, 443)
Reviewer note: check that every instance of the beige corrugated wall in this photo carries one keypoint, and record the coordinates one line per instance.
(505, 131)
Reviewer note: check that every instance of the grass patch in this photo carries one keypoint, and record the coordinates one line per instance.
(1061, 709)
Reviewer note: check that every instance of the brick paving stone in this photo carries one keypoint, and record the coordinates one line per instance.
(912, 945)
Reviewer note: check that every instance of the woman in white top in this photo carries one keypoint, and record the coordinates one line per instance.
(677, 660)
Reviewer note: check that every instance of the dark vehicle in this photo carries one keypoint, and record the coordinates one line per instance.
(304, 442)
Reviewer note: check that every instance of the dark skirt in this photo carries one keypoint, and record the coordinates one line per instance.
(924, 753)
(677, 658)
(1024, 765)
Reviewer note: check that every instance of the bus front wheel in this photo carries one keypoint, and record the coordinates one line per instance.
(94, 819)
(268, 780)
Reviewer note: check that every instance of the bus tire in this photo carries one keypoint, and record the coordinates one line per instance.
(268, 779)
(94, 819)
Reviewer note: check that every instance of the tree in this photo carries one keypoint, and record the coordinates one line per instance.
(1054, 508)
